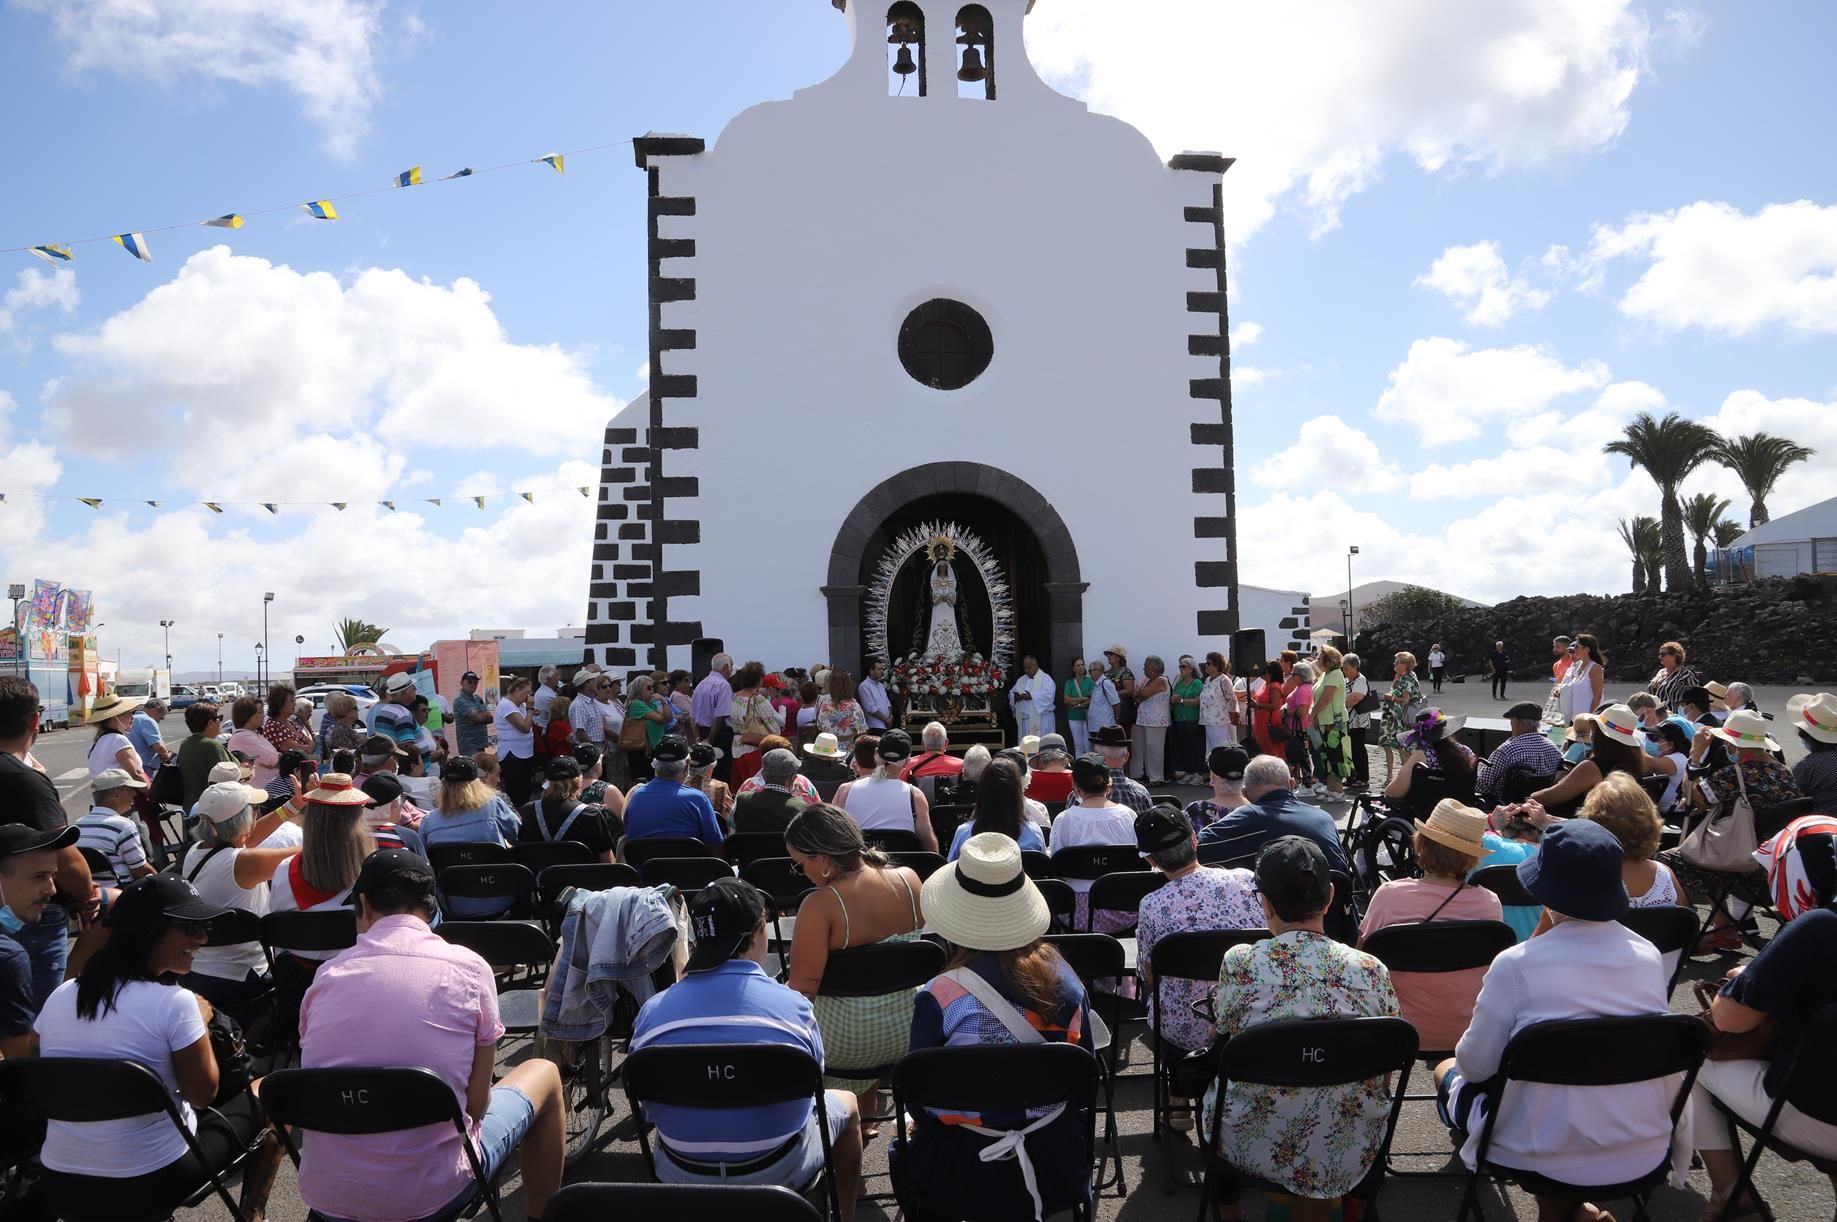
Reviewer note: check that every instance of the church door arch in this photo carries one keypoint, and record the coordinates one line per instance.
(963, 490)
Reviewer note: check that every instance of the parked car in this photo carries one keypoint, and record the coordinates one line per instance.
(366, 699)
(184, 694)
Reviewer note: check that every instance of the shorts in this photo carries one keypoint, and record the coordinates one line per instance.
(507, 1120)
(1463, 1105)
(796, 1169)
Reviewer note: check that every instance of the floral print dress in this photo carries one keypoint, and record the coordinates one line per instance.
(1404, 692)
(1316, 1142)
(1208, 898)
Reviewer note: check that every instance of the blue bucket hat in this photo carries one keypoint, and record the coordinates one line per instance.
(1577, 872)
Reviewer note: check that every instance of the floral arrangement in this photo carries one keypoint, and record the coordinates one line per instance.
(972, 675)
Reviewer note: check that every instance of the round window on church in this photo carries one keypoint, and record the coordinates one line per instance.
(945, 344)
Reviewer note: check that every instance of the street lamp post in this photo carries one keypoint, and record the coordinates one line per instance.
(258, 665)
(167, 624)
(17, 592)
(1345, 616)
(1350, 553)
(266, 599)
(219, 659)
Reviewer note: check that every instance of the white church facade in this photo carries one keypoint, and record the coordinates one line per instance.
(928, 292)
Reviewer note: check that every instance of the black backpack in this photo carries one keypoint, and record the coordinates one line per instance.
(167, 787)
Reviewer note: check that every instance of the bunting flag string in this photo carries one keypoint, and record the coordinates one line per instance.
(134, 241)
(275, 507)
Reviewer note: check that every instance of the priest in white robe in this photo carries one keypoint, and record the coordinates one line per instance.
(1031, 697)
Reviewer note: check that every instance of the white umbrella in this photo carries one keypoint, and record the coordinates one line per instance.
(1323, 634)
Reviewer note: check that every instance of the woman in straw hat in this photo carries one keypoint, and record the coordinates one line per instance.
(1618, 744)
(1816, 774)
(1005, 985)
(1449, 846)
(1754, 773)
(113, 716)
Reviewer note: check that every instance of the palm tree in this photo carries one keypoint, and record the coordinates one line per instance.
(1641, 537)
(1727, 531)
(1701, 513)
(1758, 460)
(353, 632)
(1668, 450)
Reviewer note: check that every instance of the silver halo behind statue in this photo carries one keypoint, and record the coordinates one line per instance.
(930, 678)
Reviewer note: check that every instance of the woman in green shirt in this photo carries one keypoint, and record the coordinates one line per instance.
(1189, 745)
(1075, 698)
(1328, 737)
(643, 707)
(202, 751)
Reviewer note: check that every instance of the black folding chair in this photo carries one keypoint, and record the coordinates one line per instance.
(505, 881)
(1090, 862)
(1811, 1071)
(894, 840)
(1435, 947)
(680, 1202)
(1192, 955)
(744, 848)
(1062, 900)
(1671, 928)
(946, 819)
(329, 930)
(1312, 1053)
(539, 855)
(1034, 864)
(1503, 882)
(1768, 823)
(1591, 1052)
(785, 885)
(994, 1078)
(100, 867)
(599, 876)
(360, 1101)
(726, 1077)
(466, 853)
(236, 927)
(84, 1090)
(1121, 892)
(509, 947)
(635, 853)
(686, 874)
(1094, 957)
(923, 863)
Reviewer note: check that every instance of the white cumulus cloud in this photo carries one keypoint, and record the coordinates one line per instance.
(1328, 443)
(36, 290)
(1476, 279)
(322, 51)
(1448, 392)
(1313, 98)
(1712, 266)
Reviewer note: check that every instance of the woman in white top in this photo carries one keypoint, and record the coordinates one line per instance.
(880, 800)
(229, 873)
(1153, 714)
(516, 740)
(119, 1008)
(1580, 691)
(111, 748)
(1093, 820)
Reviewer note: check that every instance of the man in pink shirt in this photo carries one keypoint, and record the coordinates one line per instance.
(443, 1015)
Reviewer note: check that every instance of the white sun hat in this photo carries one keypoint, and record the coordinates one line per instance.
(984, 900)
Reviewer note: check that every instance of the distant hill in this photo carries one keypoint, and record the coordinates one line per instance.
(1325, 607)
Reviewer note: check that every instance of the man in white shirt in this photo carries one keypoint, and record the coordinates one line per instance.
(1032, 700)
(546, 680)
(871, 694)
(1105, 699)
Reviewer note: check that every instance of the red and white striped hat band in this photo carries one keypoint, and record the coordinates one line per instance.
(1619, 722)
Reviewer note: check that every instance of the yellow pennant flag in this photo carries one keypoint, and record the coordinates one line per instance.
(339, 505)
(321, 209)
(555, 161)
(94, 502)
(212, 506)
(409, 177)
(228, 220)
(479, 501)
(528, 496)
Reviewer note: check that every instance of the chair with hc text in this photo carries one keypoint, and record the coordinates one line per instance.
(920, 862)
(635, 853)
(1095, 957)
(1194, 955)
(892, 840)
(1122, 891)
(680, 1203)
(505, 881)
(596, 876)
(726, 1077)
(466, 853)
(744, 848)
(1592, 1052)
(361, 1101)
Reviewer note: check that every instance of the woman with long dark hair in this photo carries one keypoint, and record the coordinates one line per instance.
(125, 1005)
(1000, 807)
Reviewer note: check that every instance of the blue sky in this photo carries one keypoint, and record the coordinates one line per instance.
(1636, 167)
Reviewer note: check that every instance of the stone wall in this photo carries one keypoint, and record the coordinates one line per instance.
(1781, 630)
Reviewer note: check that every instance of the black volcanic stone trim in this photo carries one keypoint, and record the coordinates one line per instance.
(1217, 623)
(1208, 388)
(649, 513)
(673, 386)
(1201, 257)
(1211, 434)
(609, 511)
(1202, 216)
(621, 437)
(672, 288)
(621, 657)
(676, 338)
(677, 438)
(1211, 479)
(622, 611)
(672, 205)
(678, 531)
(619, 475)
(599, 632)
(650, 553)
(1207, 345)
(1209, 163)
(631, 572)
(634, 454)
(1211, 528)
(631, 530)
(1209, 574)
(1205, 303)
(677, 485)
(687, 582)
(637, 492)
(1297, 610)
(1288, 621)
(672, 248)
(646, 147)
(667, 632)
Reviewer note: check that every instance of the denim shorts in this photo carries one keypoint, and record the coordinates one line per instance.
(797, 1169)
(507, 1120)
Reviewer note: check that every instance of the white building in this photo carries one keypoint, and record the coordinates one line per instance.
(903, 298)
(1804, 541)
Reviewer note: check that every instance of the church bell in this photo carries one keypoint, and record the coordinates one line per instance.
(972, 69)
(903, 64)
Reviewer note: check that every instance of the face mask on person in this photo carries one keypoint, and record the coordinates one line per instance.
(9, 921)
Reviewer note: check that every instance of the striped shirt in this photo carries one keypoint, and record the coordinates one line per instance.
(115, 837)
(1533, 753)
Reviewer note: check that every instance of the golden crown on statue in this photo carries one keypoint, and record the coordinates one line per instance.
(941, 547)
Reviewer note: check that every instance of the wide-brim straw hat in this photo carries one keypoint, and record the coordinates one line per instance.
(1456, 826)
(1119, 651)
(1815, 715)
(335, 789)
(827, 746)
(1746, 728)
(1621, 724)
(114, 705)
(1718, 695)
(984, 900)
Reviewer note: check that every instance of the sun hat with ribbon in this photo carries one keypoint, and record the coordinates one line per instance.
(1621, 724)
(113, 705)
(1457, 826)
(984, 900)
(335, 789)
(1815, 716)
(1800, 864)
(1746, 728)
(826, 747)
(1432, 725)
(1718, 695)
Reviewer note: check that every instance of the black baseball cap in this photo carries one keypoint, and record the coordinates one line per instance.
(1524, 710)
(587, 755)
(397, 870)
(563, 768)
(19, 838)
(671, 749)
(704, 754)
(161, 895)
(1161, 827)
(459, 768)
(722, 918)
(1228, 762)
(1015, 756)
(383, 788)
(1292, 873)
(471, 674)
(895, 745)
(1090, 772)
